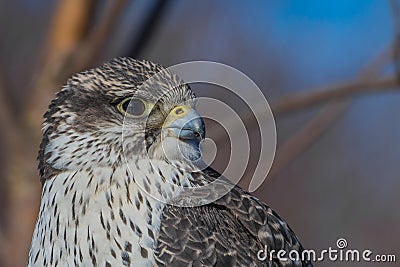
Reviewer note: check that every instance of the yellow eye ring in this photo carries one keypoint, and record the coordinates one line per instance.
(133, 107)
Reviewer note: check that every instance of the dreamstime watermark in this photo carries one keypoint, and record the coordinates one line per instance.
(168, 84)
(338, 254)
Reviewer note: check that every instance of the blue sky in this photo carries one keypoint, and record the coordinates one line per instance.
(321, 35)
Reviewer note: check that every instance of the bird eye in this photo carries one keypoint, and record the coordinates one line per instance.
(133, 107)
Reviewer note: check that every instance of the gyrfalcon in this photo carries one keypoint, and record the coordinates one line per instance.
(114, 183)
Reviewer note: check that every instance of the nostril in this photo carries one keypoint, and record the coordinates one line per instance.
(179, 111)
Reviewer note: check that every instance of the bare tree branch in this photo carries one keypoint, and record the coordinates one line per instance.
(87, 52)
(22, 181)
(324, 119)
(332, 93)
(5, 114)
(80, 55)
(69, 24)
(70, 19)
(19, 166)
(307, 135)
(396, 26)
(148, 27)
(377, 64)
(336, 104)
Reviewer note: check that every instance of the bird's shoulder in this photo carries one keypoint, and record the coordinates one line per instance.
(228, 231)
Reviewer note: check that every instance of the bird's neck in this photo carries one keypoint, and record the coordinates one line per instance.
(105, 214)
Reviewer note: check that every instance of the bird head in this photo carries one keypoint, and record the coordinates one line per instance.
(125, 108)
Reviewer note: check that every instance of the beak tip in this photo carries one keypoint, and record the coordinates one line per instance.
(188, 127)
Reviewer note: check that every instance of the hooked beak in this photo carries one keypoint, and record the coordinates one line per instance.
(185, 123)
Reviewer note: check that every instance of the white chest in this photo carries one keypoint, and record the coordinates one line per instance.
(97, 218)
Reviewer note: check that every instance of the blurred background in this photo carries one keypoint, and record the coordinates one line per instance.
(328, 68)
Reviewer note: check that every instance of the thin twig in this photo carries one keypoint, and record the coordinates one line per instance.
(396, 26)
(325, 118)
(307, 135)
(336, 104)
(148, 27)
(291, 104)
(332, 93)
(377, 65)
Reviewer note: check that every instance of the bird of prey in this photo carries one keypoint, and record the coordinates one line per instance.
(109, 190)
